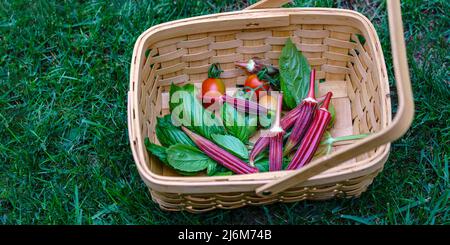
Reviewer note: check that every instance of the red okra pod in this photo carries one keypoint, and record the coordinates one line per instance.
(220, 155)
(276, 152)
(304, 118)
(311, 141)
(276, 140)
(289, 118)
(286, 123)
(245, 106)
(240, 104)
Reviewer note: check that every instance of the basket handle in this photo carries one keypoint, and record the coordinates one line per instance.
(265, 4)
(398, 127)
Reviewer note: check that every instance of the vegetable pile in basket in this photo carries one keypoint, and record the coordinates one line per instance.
(213, 132)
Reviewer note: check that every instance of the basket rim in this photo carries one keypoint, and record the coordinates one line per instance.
(166, 183)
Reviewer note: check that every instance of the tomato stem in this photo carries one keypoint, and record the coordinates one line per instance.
(214, 71)
(262, 74)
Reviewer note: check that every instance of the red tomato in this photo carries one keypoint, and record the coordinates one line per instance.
(212, 88)
(253, 82)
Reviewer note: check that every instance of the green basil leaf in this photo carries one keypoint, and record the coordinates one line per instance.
(263, 154)
(294, 74)
(187, 110)
(156, 150)
(187, 158)
(231, 144)
(220, 170)
(227, 173)
(238, 124)
(161, 153)
(168, 134)
(286, 162)
(211, 169)
(188, 88)
(263, 164)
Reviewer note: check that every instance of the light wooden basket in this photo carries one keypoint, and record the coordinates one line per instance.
(181, 51)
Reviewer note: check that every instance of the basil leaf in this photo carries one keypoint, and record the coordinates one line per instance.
(188, 88)
(227, 173)
(156, 150)
(186, 110)
(286, 162)
(220, 170)
(294, 74)
(161, 153)
(211, 169)
(187, 158)
(168, 134)
(232, 144)
(263, 164)
(238, 124)
(263, 154)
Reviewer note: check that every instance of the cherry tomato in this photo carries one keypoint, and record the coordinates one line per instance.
(213, 88)
(253, 82)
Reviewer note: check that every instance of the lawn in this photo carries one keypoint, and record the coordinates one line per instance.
(64, 150)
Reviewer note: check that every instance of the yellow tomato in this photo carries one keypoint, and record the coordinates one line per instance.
(268, 102)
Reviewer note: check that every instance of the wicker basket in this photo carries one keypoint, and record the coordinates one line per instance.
(352, 67)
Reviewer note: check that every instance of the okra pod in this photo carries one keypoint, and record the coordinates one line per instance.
(311, 141)
(304, 118)
(220, 155)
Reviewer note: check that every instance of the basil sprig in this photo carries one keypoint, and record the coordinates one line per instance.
(294, 75)
(187, 110)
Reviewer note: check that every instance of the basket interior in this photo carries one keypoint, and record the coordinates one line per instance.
(339, 51)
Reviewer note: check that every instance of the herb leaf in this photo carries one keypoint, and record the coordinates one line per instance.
(186, 110)
(156, 150)
(263, 164)
(219, 170)
(168, 134)
(232, 144)
(211, 169)
(161, 153)
(238, 124)
(294, 74)
(187, 158)
(226, 173)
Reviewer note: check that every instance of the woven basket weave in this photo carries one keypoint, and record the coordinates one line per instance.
(341, 45)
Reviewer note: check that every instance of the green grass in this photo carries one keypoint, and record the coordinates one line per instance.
(64, 151)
